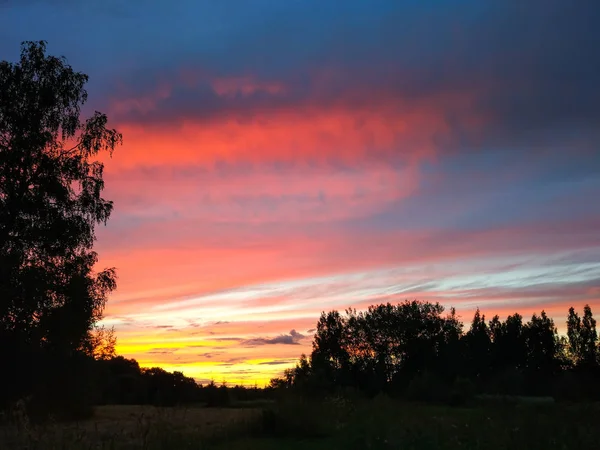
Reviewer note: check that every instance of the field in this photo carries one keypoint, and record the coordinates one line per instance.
(298, 424)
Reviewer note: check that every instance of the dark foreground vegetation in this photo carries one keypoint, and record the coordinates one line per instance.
(395, 376)
(332, 423)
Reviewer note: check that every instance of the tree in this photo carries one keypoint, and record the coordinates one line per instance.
(382, 348)
(583, 337)
(543, 351)
(589, 337)
(102, 343)
(50, 202)
(478, 346)
(574, 334)
(329, 357)
(508, 342)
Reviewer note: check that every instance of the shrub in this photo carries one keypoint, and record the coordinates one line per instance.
(427, 387)
(294, 417)
(462, 393)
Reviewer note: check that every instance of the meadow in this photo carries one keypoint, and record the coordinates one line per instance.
(296, 423)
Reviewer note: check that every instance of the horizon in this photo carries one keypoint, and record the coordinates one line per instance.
(280, 160)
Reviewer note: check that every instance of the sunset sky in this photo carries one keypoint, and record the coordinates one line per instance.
(284, 157)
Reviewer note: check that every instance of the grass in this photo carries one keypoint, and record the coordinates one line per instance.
(124, 427)
(335, 424)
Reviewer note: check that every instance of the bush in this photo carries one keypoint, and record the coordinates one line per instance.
(217, 397)
(297, 418)
(427, 387)
(65, 391)
(462, 393)
(507, 382)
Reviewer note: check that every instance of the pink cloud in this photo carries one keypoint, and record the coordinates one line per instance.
(195, 264)
(260, 194)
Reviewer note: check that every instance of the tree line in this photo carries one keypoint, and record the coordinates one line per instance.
(415, 350)
(121, 381)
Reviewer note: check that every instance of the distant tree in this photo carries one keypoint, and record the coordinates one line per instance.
(121, 381)
(450, 357)
(495, 327)
(589, 338)
(543, 345)
(574, 334)
(102, 343)
(477, 344)
(384, 347)
(278, 383)
(508, 343)
(329, 356)
(301, 374)
(50, 201)
(543, 353)
(583, 337)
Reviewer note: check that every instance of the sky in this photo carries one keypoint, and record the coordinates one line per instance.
(283, 158)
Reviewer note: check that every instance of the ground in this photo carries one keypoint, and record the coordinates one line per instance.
(301, 424)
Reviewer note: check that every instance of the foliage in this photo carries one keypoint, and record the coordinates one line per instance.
(412, 350)
(50, 202)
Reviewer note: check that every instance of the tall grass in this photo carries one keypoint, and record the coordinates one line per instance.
(331, 423)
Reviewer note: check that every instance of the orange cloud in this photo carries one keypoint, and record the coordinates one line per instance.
(230, 122)
(303, 137)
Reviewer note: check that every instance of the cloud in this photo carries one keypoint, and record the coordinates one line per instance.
(470, 84)
(161, 352)
(287, 256)
(209, 355)
(234, 360)
(293, 338)
(257, 195)
(532, 65)
(276, 363)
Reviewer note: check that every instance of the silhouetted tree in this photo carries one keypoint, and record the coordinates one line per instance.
(589, 338)
(478, 347)
(102, 343)
(542, 344)
(383, 348)
(50, 201)
(583, 337)
(543, 348)
(509, 349)
(412, 349)
(450, 361)
(574, 334)
(329, 357)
